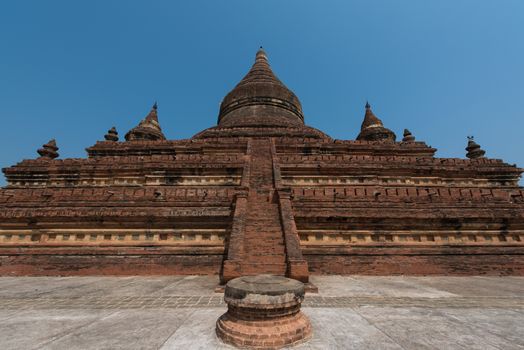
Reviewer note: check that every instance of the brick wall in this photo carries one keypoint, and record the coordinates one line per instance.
(78, 262)
(412, 261)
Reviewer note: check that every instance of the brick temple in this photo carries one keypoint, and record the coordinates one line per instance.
(261, 192)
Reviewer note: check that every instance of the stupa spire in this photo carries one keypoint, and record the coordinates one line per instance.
(372, 128)
(148, 129)
(49, 150)
(260, 99)
(260, 71)
(474, 150)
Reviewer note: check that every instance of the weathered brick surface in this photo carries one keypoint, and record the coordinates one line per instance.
(96, 264)
(261, 192)
(416, 261)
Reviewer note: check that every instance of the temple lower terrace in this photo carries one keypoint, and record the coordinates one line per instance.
(180, 312)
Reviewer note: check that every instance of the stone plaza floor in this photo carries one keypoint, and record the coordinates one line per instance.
(179, 312)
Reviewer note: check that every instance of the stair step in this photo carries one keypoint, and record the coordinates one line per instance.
(263, 260)
(264, 248)
(255, 268)
(258, 243)
(259, 250)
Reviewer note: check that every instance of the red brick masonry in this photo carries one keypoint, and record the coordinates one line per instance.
(261, 192)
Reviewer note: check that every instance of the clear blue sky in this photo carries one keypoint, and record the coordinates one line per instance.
(444, 69)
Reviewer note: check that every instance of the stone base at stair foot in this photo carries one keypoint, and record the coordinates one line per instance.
(298, 270)
(263, 313)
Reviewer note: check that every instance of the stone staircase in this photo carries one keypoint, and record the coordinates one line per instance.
(264, 247)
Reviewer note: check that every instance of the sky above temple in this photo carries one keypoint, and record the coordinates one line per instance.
(444, 69)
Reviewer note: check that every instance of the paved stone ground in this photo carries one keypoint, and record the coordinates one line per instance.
(179, 312)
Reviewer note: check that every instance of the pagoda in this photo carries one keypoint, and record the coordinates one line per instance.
(261, 192)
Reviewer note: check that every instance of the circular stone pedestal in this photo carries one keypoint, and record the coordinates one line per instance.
(263, 313)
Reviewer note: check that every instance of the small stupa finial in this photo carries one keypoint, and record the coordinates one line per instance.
(372, 128)
(49, 150)
(112, 135)
(148, 129)
(474, 150)
(408, 136)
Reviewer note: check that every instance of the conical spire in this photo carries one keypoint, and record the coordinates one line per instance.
(408, 137)
(152, 115)
(372, 128)
(49, 150)
(261, 54)
(370, 119)
(260, 99)
(474, 150)
(260, 71)
(148, 129)
(112, 134)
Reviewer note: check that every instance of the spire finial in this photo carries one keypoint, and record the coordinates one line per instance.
(49, 150)
(261, 54)
(372, 128)
(408, 136)
(474, 150)
(112, 135)
(148, 129)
